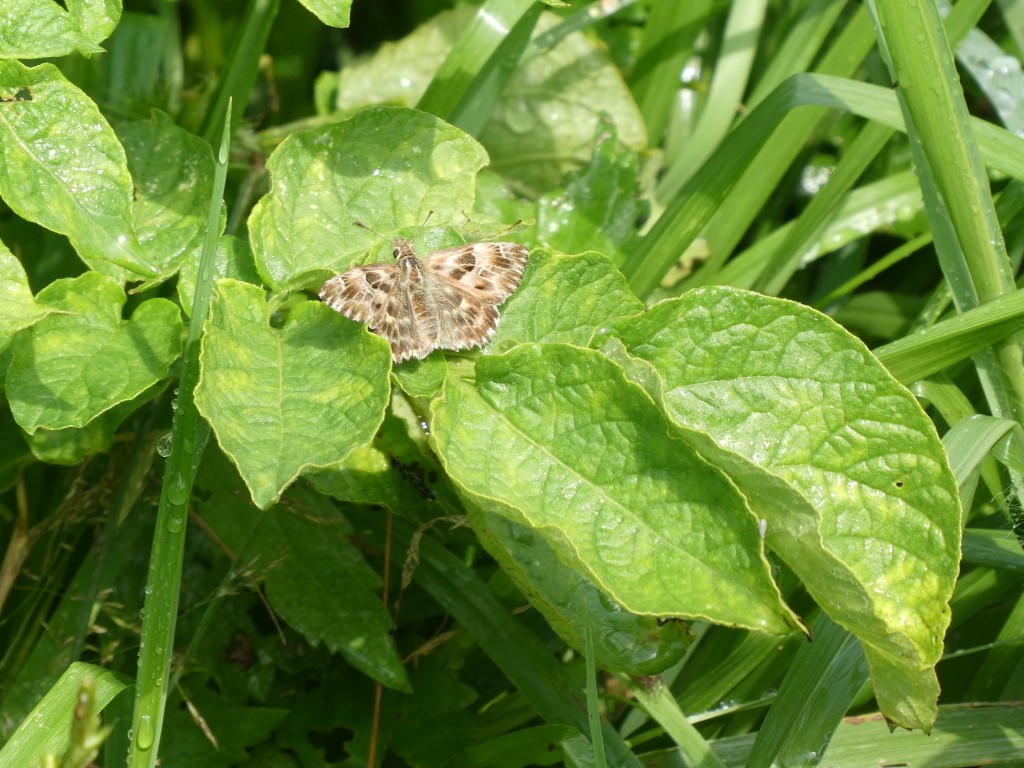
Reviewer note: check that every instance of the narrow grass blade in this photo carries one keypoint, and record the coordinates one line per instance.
(593, 704)
(188, 438)
(238, 77)
(667, 43)
(468, 74)
(815, 694)
(658, 701)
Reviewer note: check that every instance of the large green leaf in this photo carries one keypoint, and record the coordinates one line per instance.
(284, 399)
(572, 448)
(63, 168)
(385, 168)
(173, 173)
(96, 18)
(599, 207)
(564, 299)
(796, 395)
(71, 445)
(76, 364)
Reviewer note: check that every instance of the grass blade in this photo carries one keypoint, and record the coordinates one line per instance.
(188, 438)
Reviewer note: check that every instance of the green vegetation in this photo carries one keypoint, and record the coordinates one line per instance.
(761, 382)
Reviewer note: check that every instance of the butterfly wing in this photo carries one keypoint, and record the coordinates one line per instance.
(466, 284)
(463, 320)
(490, 272)
(375, 295)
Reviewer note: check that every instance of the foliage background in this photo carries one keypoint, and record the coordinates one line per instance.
(586, 139)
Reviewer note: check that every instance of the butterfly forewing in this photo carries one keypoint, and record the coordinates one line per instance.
(491, 271)
(447, 301)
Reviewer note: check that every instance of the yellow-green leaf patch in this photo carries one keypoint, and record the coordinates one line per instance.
(564, 299)
(284, 399)
(173, 175)
(72, 366)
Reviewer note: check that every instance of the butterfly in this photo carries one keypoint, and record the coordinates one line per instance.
(449, 300)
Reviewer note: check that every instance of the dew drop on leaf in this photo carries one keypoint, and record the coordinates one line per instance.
(146, 732)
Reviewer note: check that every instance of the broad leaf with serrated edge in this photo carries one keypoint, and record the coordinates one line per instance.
(62, 167)
(385, 168)
(283, 400)
(575, 450)
(798, 396)
(73, 365)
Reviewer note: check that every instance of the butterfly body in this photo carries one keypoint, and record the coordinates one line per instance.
(449, 300)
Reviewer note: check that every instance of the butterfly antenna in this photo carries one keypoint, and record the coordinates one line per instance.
(371, 231)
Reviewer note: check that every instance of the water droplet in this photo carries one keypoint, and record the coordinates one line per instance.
(146, 732)
(177, 491)
(174, 525)
(163, 445)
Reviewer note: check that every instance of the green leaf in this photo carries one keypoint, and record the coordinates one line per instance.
(173, 172)
(333, 13)
(564, 299)
(545, 123)
(96, 18)
(72, 445)
(284, 399)
(318, 580)
(623, 642)
(34, 29)
(18, 308)
(584, 456)
(63, 168)
(385, 167)
(599, 207)
(788, 389)
(70, 367)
